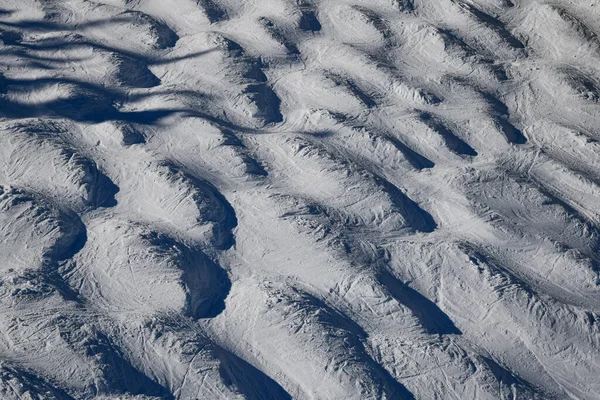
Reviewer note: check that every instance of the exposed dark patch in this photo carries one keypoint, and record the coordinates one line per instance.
(501, 373)
(591, 318)
(374, 19)
(254, 70)
(495, 68)
(233, 48)
(499, 72)
(231, 139)
(253, 166)
(326, 225)
(583, 84)
(208, 285)
(332, 316)
(433, 319)
(508, 282)
(496, 105)
(82, 105)
(100, 188)
(455, 42)
(500, 114)
(72, 240)
(428, 98)
(504, 376)
(251, 67)
(228, 221)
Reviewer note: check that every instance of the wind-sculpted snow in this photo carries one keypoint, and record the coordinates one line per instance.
(307, 199)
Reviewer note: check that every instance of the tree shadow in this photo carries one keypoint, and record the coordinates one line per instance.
(165, 36)
(91, 103)
(73, 41)
(85, 101)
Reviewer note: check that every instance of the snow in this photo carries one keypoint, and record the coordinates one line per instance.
(308, 199)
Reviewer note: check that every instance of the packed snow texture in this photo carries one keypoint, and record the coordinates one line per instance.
(307, 199)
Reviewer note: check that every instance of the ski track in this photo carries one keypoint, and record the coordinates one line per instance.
(308, 199)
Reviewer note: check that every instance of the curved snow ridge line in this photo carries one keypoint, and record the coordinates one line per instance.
(565, 30)
(187, 362)
(447, 268)
(61, 232)
(36, 146)
(393, 316)
(347, 239)
(316, 334)
(391, 207)
(548, 315)
(183, 203)
(530, 210)
(114, 373)
(140, 27)
(38, 238)
(157, 275)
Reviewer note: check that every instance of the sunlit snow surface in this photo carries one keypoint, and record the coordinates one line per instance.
(307, 199)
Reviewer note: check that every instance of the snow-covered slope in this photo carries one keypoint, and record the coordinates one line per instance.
(308, 199)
